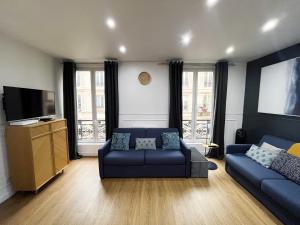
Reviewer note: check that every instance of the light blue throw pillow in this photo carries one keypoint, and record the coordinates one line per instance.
(120, 141)
(263, 156)
(145, 143)
(170, 141)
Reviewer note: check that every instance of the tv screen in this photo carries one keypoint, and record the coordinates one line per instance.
(24, 103)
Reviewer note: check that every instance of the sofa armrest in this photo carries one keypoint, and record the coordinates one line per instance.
(238, 148)
(101, 153)
(187, 153)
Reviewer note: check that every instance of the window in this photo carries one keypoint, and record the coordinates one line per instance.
(100, 101)
(90, 105)
(197, 105)
(100, 79)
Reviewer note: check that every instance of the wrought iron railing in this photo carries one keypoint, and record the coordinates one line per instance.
(202, 131)
(88, 131)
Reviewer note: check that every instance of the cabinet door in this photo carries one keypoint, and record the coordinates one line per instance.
(60, 147)
(42, 159)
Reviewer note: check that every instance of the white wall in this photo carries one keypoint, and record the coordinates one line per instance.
(21, 66)
(235, 101)
(143, 106)
(148, 106)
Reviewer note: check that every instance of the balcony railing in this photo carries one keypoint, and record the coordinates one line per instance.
(202, 131)
(88, 131)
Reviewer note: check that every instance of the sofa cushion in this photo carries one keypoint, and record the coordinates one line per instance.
(171, 140)
(295, 150)
(131, 157)
(284, 192)
(134, 133)
(250, 169)
(276, 141)
(163, 157)
(263, 156)
(287, 165)
(145, 143)
(120, 141)
(156, 133)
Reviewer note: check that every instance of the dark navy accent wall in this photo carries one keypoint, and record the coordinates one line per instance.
(259, 124)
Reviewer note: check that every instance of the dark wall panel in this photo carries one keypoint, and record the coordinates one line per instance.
(259, 124)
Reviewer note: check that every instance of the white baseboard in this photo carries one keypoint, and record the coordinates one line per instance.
(6, 191)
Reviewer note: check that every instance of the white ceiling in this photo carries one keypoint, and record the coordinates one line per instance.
(151, 29)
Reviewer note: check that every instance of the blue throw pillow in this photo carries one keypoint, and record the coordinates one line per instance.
(120, 141)
(170, 141)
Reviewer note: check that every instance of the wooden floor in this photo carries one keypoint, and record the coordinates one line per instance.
(78, 196)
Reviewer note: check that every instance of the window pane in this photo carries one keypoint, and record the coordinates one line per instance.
(204, 104)
(84, 105)
(100, 104)
(187, 104)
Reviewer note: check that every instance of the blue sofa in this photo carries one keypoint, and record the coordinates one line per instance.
(280, 195)
(144, 163)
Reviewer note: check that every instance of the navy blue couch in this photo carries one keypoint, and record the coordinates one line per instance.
(144, 163)
(280, 195)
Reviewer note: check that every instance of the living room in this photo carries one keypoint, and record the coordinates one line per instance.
(149, 112)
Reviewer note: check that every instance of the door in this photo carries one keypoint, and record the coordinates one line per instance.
(60, 148)
(42, 159)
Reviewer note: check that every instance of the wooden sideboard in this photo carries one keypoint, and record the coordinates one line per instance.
(36, 153)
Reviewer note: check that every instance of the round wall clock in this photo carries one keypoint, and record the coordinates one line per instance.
(144, 78)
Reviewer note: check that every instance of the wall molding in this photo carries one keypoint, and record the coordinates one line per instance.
(6, 191)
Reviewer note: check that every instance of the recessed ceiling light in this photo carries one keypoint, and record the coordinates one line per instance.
(186, 38)
(110, 22)
(122, 49)
(270, 25)
(230, 50)
(211, 3)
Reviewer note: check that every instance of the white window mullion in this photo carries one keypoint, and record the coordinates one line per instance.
(94, 107)
(194, 102)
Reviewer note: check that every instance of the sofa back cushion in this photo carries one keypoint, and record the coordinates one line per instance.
(276, 141)
(134, 133)
(156, 133)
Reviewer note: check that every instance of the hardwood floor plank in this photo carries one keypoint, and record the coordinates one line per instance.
(78, 196)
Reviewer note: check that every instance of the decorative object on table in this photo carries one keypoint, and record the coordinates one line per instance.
(145, 143)
(199, 164)
(144, 78)
(279, 81)
(170, 140)
(213, 150)
(120, 141)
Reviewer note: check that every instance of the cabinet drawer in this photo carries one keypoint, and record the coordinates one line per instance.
(59, 124)
(39, 130)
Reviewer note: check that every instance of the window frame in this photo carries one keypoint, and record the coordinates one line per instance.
(195, 87)
(92, 69)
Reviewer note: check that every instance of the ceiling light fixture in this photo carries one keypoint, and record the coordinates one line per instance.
(186, 38)
(211, 3)
(270, 25)
(230, 50)
(122, 49)
(110, 22)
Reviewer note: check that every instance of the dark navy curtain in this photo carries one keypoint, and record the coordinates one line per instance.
(220, 92)
(175, 108)
(69, 79)
(111, 97)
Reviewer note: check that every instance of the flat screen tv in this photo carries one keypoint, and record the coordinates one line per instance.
(25, 103)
